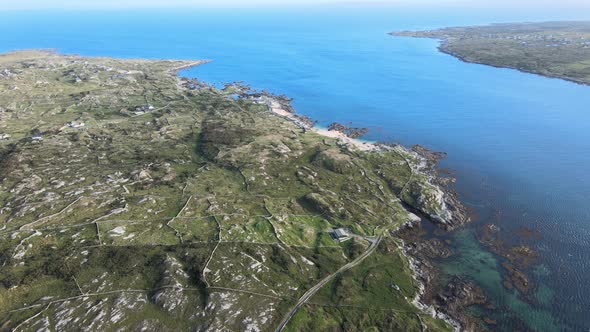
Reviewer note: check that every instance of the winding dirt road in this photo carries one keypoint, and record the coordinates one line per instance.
(323, 282)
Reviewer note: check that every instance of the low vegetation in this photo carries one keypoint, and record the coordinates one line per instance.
(133, 199)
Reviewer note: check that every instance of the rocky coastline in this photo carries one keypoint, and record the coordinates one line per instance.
(224, 123)
(446, 302)
(348, 131)
(470, 45)
(517, 259)
(457, 214)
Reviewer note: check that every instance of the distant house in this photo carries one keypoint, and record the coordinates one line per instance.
(340, 234)
(37, 138)
(4, 137)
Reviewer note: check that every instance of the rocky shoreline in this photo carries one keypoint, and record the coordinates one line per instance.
(446, 38)
(348, 131)
(458, 214)
(518, 259)
(409, 184)
(445, 303)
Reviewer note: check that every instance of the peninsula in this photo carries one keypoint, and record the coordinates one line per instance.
(134, 199)
(552, 49)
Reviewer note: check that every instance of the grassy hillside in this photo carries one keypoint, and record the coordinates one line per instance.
(133, 199)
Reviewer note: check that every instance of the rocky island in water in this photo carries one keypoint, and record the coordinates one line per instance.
(134, 199)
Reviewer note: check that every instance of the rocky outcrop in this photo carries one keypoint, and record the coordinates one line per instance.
(448, 300)
(436, 197)
(518, 259)
(458, 295)
(348, 131)
(335, 161)
(170, 296)
(327, 205)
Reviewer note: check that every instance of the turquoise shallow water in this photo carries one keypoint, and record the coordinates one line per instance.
(518, 143)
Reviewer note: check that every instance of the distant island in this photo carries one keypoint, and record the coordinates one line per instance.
(134, 199)
(552, 49)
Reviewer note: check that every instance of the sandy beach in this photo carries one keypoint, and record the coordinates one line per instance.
(278, 109)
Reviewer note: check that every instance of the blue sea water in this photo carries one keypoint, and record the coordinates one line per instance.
(518, 143)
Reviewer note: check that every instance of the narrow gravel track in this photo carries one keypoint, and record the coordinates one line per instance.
(324, 281)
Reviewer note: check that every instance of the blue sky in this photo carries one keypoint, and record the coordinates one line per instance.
(114, 4)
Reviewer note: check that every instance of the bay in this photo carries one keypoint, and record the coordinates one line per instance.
(518, 143)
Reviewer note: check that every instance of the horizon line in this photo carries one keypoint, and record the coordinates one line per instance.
(457, 4)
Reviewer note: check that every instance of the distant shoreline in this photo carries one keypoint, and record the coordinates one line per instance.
(479, 45)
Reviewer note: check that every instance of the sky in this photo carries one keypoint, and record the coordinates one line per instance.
(117, 4)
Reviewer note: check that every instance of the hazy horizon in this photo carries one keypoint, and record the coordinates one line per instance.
(171, 4)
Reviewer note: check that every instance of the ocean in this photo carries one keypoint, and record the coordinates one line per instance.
(519, 144)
